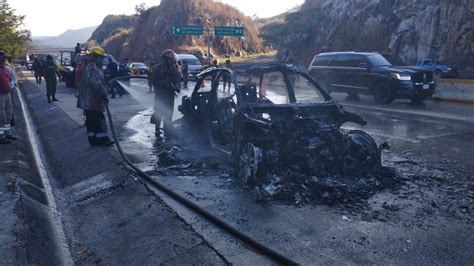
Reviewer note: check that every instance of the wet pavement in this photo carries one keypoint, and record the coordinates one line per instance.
(426, 219)
(109, 216)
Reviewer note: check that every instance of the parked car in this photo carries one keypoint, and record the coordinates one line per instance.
(441, 70)
(370, 73)
(194, 65)
(139, 69)
(276, 119)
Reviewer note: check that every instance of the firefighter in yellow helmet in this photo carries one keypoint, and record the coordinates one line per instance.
(93, 98)
(166, 81)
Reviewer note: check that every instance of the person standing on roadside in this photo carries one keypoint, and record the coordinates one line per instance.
(227, 78)
(93, 98)
(149, 74)
(37, 69)
(49, 74)
(13, 84)
(6, 106)
(112, 70)
(166, 81)
(185, 73)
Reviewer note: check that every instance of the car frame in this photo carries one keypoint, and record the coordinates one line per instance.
(246, 125)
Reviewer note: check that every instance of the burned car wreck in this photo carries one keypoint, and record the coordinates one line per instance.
(282, 132)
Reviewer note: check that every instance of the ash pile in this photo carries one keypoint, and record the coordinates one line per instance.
(316, 163)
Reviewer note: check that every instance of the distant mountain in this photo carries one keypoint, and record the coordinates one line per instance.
(67, 39)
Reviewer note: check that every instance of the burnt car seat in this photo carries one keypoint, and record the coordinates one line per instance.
(249, 92)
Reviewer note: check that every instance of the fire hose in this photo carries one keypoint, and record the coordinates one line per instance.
(190, 204)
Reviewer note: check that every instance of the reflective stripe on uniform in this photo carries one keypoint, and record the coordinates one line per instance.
(7, 130)
(101, 135)
(2, 133)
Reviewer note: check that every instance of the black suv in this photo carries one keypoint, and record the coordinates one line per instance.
(370, 73)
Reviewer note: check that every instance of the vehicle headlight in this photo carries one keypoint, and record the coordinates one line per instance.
(399, 76)
(449, 69)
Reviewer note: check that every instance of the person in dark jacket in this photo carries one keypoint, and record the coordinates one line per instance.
(112, 70)
(37, 66)
(185, 73)
(166, 81)
(49, 70)
(93, 98)
(78, 49)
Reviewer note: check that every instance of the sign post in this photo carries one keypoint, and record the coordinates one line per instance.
(183, 30)
(229, 31)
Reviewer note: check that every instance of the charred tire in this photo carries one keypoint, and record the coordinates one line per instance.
(362, 144)
(383, 93)
(250, 156)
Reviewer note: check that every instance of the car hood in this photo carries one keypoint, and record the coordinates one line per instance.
(408, 70)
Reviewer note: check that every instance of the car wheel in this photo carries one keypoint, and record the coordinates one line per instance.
(250, 157)
(438, 74)
(383, 93)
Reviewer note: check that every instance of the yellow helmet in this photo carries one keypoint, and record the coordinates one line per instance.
(97, 51)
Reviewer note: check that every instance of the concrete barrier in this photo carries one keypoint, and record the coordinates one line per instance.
(457, 90)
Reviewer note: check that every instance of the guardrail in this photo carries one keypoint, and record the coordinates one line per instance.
(456, 90)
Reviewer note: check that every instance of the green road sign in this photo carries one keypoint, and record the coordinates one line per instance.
(229, 31)
(187, 30)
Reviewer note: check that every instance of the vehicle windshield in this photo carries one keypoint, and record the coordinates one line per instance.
(191, 62)
(140, 65)
(378, 60)
(271, 87)
(305, 90)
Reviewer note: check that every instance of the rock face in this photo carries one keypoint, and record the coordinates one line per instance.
(111, 25)
(151, 33)
(437, 29)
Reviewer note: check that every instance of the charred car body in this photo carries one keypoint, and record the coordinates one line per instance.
(277, 123)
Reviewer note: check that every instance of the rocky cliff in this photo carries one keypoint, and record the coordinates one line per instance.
(438, 29)
(112, 25)
(151, 33)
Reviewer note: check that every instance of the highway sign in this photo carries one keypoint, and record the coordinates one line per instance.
(229, 31)
(186, 30)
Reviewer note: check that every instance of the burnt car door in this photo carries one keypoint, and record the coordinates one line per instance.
(222, 110)
(195, 108)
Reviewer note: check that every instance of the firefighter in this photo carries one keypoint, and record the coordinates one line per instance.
(166, 81)
(93, 98)
(49, 70)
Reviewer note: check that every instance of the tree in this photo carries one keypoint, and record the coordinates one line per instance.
(139, 9)
(13, 39)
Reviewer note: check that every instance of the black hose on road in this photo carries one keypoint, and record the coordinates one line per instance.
(196, 208)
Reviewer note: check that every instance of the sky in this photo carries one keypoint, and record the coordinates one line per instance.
(53, 17)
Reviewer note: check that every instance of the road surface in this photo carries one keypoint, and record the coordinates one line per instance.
(428, 219)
